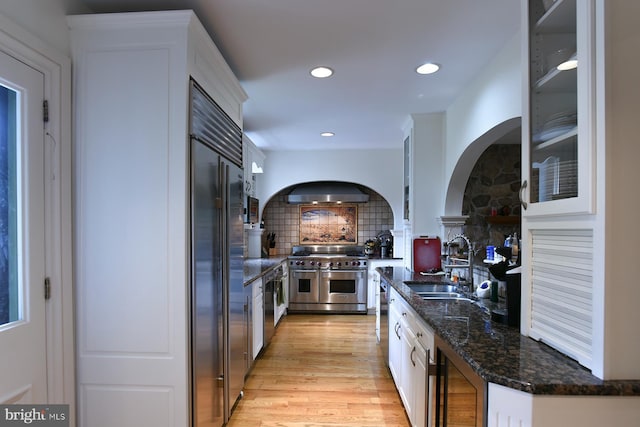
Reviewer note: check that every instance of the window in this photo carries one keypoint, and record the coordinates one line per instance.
(10, 293)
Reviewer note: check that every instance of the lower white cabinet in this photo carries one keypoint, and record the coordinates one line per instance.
(373, 283)
(508, 407)
(258, 317)
(395, 339)
(411, 346)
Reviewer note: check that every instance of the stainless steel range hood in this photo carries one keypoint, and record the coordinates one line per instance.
(327, 191)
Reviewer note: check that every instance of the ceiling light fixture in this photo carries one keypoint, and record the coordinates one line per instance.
(321, 72)
(427, 68)
(327, 134)
(568, 65)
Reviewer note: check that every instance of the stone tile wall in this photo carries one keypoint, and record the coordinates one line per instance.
(494, 182)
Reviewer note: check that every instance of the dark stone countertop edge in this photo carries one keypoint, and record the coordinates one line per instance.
(500, 354)
(255, 268)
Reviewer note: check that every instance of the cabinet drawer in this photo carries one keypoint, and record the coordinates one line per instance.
(424, 335)
(256, 288)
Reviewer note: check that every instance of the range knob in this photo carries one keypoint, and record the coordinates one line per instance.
(319, 264)
(339, 263)
(331, 264)
(312, 263)
(355, 263)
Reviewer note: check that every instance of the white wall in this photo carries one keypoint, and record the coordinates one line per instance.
(380, 170)
(491, 99)
(45, 19)
(428, 183)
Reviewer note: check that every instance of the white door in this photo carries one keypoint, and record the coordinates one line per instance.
(22, 306)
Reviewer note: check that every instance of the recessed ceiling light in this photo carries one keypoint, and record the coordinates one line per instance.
(321, 72)
(327, 134)
(568, 65)
(427, 68)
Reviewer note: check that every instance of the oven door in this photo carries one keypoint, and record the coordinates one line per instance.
(343, 287)
(303, 286)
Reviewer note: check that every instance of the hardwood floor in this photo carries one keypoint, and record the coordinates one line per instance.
(321, 371)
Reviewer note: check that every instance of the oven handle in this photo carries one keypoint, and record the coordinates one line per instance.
(302, 270)
(358, 271)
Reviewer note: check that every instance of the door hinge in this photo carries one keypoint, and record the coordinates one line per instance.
(47, 288)
(45, 111)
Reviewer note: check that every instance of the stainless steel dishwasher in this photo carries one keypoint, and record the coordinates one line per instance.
(383, 294)
(272, 284)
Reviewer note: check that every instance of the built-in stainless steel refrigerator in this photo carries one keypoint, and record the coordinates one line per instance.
(217, 303)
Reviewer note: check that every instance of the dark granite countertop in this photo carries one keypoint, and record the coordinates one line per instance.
(256, 267)
(499, 353)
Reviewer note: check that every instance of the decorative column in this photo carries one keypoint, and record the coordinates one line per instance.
(452, 225)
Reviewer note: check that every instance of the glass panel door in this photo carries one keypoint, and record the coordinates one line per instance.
(10, 291)
(554, 101)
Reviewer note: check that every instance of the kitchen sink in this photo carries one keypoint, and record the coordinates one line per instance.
(429, 291)
(440, 294)
(444, 296)
(422, 287)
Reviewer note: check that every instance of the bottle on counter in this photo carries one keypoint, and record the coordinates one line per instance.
(515, 247)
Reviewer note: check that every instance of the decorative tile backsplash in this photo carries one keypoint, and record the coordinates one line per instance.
(283, 219)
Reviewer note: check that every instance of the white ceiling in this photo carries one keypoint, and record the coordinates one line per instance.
(374, 47)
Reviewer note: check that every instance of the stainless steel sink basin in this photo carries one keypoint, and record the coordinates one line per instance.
(431, 291)
(431, 288)
(451, 297)
(440, 294)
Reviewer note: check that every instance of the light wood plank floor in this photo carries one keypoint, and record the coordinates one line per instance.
(321, 371)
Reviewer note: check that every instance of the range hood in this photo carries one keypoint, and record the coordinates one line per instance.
(322, 192)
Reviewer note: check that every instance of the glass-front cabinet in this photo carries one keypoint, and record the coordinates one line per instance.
(558, 113)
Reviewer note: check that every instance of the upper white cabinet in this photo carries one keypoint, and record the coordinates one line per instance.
(558, 111)
(581, 194)
(131, 200)
(253, 166)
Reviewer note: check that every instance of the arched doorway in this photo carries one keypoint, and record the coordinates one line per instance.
(482, 200)
(283, 219)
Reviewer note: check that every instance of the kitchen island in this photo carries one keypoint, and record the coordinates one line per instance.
(527, 380)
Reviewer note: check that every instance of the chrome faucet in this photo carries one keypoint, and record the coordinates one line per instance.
(450, 262)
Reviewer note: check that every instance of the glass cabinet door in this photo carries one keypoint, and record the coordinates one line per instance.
(558, 104)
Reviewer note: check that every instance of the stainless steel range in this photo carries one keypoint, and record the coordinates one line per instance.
(328, 279)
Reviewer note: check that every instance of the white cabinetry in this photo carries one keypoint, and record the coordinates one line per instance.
(411, 344)
(132, 261)
(508, 407)
(395, 339)
(373, 279)
(558, 176)
(258, 317)
(253, 165)
(573, 229)
(559, 108)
